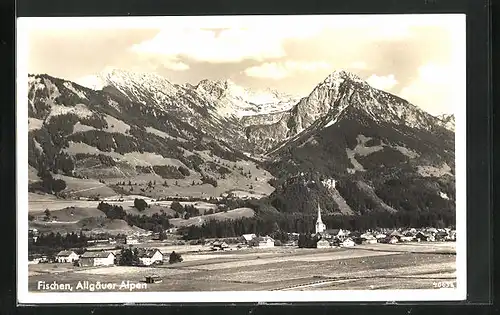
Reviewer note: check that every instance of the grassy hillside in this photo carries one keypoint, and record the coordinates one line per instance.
(220, 216)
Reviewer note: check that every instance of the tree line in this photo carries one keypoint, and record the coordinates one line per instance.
(156, 222)
(52, 243)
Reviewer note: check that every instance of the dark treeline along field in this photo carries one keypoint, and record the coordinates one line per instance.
(269, 221)
(51, 243)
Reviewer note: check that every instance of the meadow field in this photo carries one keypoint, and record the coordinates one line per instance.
(377, 266)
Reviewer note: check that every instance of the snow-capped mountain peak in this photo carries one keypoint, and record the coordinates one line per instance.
(125, 80)
(231, 99)
(335, 78)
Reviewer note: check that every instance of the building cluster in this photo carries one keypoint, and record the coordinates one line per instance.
(246, 240)
(93, 258)
(344, 238)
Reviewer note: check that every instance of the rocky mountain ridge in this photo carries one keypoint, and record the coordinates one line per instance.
(217, 138)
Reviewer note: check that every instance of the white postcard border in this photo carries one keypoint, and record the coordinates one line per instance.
(24, 25)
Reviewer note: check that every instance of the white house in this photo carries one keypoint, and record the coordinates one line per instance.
(96, 258)
(392, 239)
(131, 240)
(248, 237)
(149, 256)
(347, 243)
(66, 256)
(432, 230)
(380, 236)
(262, 242)
(323, 244)
(407, 238)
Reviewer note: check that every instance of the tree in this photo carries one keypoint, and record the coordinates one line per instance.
(140, 204)
(306, 241)
(31, 217)
(58, 185)
(129, 257)
(175, 258)
(177, 207)
(47, 214)
(162, 235)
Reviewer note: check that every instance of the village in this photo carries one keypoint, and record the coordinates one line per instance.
(147, 250)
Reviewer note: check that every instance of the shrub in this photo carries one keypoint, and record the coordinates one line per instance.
(140, 204)
(184, 171)
(175, 258)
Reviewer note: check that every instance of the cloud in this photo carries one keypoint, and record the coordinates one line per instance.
(230, 45)
(437, 89)
(276, 71)
(175, 65)
(382, 82)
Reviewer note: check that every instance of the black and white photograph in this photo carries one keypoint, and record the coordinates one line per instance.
(241, 158)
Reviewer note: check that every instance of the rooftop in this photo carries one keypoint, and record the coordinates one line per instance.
(96, 255)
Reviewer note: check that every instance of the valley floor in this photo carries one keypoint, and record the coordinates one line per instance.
(363, 267)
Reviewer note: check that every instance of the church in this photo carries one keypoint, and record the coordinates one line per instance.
(320, 226)
(321, 231)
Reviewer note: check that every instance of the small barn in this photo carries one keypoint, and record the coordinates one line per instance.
(218, 245)
(153, 279)
(102, 258)
(422, 237)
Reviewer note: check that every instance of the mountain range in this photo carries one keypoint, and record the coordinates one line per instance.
(353, 148)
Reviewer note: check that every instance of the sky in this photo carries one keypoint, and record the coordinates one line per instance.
(420, 58)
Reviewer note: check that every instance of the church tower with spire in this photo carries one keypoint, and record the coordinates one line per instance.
(320, 226)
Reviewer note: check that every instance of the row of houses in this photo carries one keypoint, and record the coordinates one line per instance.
(247, 240)
(345, 238)
(146, 257)
(430, 234)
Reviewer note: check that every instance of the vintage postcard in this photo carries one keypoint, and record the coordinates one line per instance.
(241, 158)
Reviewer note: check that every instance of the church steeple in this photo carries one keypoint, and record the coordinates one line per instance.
(320, 226)
(319, 215)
